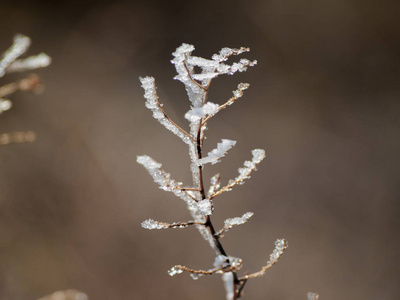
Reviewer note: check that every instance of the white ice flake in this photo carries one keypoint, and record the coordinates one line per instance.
(197, 113)
(221, 261)
(215, 184)
(206, 207)
(215, 155)
(229, 223)
(280, 246)
(196, 276)
(249, 166)
(160, 176)
(151, 224)
(174, 271)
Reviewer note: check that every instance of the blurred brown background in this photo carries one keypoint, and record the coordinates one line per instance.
(323, 102)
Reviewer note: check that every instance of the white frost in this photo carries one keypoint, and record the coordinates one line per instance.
(206, 207)
(215, 155)
(33, 62)
(19, 47)
(229, 223)
(220, 261)
(151, 224)
(174, 271)
(280, 246)
(249, 166)
(150, 94)
(197, 113)
(227, 278)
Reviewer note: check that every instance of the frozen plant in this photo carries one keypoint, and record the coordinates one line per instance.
(9, 63)
(198, 201)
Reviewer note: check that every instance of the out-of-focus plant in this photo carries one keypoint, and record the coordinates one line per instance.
(9, 63)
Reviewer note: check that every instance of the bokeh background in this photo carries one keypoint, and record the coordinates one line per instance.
(323, 102)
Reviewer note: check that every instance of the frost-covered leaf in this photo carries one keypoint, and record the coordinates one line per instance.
(152, 224)
(197, 113)
(152, 103)
(215, 155)
(229, 223)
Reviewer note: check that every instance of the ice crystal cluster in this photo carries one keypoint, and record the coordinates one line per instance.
(200, 203)
(11, 62)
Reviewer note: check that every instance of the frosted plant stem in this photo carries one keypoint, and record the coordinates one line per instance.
(208, 224)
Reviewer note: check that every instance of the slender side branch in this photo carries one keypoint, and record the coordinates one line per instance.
(152, 224)
(249, 167)
(17, 137)
(166, 116)
(208, 272)
(194, 81)
(30, 83)
(236, 95)
(280, 246)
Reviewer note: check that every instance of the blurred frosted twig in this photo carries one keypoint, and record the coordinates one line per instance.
(32, 83)
(66, 295)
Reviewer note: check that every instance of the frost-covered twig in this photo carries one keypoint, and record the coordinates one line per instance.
(10, 63)
(229, 223)
(199, 203)
(152, 224)
(280, 246)
(244, 173)
(236, 95)
(154, 105)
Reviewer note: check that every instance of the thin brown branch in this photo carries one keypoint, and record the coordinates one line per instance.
(209, 272)
(30, 83)
(17, 137)
(189, 189)
(194, 81)
(208, 223)
(232, 184)
(227, 103)
(277, 253)
(179, 224)
(168, 118)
